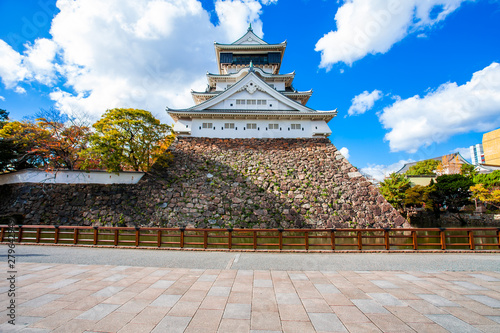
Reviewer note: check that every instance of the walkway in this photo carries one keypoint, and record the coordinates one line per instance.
(55, 296)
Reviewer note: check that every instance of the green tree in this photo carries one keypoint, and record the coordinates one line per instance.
(468, 170)
(393, 189)
(423, 168)
(127, 139)
(4, 117)
(452, 192)
(488, 180)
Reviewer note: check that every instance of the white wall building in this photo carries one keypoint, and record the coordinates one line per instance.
(249, 98)
(477, 154)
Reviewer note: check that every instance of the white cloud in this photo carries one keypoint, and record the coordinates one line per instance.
(373, 26)
(465, 152)
(379, 172)
(364, 102)
(20, 90)
(39, 60)
(345, 152)
(235, 15)
(126, 53)
(11, 67)
(449, 110)
(2, 98)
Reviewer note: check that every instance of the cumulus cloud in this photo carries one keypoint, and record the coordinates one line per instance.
(373, 26)
(126, 53)
(465, 152)
(345, 152)
(379, 171)
(39, 60)
(235, 15)
(12, 70)
(364, 102)
(449, 110)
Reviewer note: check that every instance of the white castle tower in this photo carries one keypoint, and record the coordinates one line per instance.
(249, 98)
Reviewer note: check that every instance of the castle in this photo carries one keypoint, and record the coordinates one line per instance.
(249, 98)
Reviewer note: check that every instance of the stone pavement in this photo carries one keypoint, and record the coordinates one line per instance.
(106, 298)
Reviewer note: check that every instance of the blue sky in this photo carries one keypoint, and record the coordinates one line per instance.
(411, 79)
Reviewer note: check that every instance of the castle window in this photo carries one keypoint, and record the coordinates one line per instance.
(261, 102)
(251, 101)
(251, 126)
(273, 126)
(229, 125)
(207, 125)
(296, 126)
(240, 102)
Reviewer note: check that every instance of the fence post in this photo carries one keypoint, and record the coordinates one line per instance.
(159, 238)
(498, 236)
(306, 240)
(280, 238)
(360, 241)
(414, 239)
(472, 244)
(230, 238)
(56, 234)
(75, 236)
(182, 237)
(38, 234)
(137, 235)
(3, 234)
(116, 237)
(442, 238)
(96, 234)
(332, 236)
(205, 239)
(386, 238)
(20, 236)
(255, 240)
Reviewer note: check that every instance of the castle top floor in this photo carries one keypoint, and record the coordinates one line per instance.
(249, 49)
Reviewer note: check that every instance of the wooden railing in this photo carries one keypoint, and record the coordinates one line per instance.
(259, 239)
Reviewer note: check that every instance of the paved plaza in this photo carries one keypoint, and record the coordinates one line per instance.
(76, 297)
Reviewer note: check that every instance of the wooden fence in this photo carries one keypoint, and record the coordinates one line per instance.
(259, 239)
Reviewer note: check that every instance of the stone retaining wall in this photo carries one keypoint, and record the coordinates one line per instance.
(247, 183)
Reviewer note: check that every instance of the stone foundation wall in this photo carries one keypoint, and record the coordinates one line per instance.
(265, 183)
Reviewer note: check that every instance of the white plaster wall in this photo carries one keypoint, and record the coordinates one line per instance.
(217, 131)
(183, 125)
(271, 103)
(70, 177)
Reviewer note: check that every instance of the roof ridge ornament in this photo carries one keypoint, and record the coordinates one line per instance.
(250, 27)
(251, 66)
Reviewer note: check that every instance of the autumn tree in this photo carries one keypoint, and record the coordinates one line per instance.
(65, 143)
(487, 188)
(419, 196)
(127, 139)
(488, 196)
(52, 142)
(424, 168)
(393, 189)
(22, 146)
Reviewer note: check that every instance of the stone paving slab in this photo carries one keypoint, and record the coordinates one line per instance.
(107, 298)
